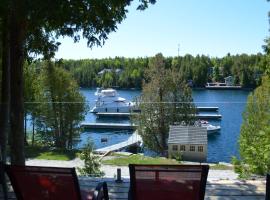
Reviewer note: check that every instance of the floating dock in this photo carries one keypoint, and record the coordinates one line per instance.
(109, 126)
(208, 116)
(198, 116)
(216, 87)
(205, 108)
(117, 114)
(134, 139)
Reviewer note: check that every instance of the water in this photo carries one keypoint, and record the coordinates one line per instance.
(221, 146)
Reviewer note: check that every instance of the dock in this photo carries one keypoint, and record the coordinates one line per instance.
(114, 126)
(198, 116)
(205, 108)
(208, 116)
(134, 139)
(117, 114)
(218, 87)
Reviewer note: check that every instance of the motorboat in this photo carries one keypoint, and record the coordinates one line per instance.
(210, 128)
(109, 101)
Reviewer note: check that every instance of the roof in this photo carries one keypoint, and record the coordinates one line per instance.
(187, 135)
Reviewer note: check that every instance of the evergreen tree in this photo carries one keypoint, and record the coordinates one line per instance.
(165, 100)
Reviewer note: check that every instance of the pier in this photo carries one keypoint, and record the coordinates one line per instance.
(198, 116)
(117, 114)
(208, 116)
(114, 126)
(205, 108)
(134, 139)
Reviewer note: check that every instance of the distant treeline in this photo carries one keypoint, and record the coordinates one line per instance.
(246, 70)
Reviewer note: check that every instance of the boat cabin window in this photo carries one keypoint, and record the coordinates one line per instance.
(108, 93)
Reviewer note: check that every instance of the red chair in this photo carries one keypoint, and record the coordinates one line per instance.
(50, 183)
(167, 182)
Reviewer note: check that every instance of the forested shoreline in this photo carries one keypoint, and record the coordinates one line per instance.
(121, 72)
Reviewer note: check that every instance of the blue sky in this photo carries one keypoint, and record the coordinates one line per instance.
(209, 27)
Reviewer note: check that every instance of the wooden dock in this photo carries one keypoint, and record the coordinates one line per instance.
(135, 138)
(208, 116)
(114, 126)
(198, 116)
(205, 108)
(117, 114)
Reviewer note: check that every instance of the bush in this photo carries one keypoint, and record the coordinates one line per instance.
(91, 162)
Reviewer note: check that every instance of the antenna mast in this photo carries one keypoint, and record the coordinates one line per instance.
(178, 49)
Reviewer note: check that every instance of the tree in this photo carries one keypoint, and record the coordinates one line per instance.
(165, 100)
(254, 139)
(62, 107)
(35, 26)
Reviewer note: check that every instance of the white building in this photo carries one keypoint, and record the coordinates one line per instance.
(229, 81)
(188, 141)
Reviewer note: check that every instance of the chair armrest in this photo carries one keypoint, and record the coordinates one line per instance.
(101, 191)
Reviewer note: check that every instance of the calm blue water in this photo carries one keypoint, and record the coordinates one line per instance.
(221, 146)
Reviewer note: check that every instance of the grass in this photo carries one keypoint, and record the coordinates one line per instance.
(138, 159)
(221, 167)
(37, 152)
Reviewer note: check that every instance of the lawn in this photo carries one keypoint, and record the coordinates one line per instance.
(36, 152)
(138, 159)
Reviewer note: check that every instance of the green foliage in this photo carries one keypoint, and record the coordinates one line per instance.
(91, 162)
(165, 100)
(246, 70)
(254, 139)
(60, 107)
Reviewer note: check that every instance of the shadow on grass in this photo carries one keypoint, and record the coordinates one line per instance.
(37, 152)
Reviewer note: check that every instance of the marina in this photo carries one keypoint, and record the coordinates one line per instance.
(222, 144)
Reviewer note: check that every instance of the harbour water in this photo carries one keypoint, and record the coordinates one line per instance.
(221, 146)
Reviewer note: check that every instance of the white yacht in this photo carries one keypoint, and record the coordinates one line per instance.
(210, 128)
(109, 101)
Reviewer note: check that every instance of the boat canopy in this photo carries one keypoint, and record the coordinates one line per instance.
(108, 93)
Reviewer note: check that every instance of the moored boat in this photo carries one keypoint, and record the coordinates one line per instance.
(109, 101)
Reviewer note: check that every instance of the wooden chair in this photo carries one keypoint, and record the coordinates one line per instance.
(172, 182)
(50, 183)
(267, 195)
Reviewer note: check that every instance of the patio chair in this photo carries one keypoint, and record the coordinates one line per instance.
(267, 195)
(50, 183)
(172, 182)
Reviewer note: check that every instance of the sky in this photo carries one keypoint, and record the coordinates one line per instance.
(209, 27)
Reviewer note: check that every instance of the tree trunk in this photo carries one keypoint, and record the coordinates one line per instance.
(17, 33)
(5, 91)
(33, 131)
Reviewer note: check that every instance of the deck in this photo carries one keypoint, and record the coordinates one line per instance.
(215, 190)
(135, 138)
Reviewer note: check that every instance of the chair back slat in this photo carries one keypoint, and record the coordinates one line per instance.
(44, 183)
(172, 182)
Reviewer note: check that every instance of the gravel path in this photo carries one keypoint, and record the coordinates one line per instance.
(110, 171)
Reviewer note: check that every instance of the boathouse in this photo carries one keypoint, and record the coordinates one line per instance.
(188, 141)
(229, 81)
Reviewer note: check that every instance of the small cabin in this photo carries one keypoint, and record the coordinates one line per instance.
(188, 141)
